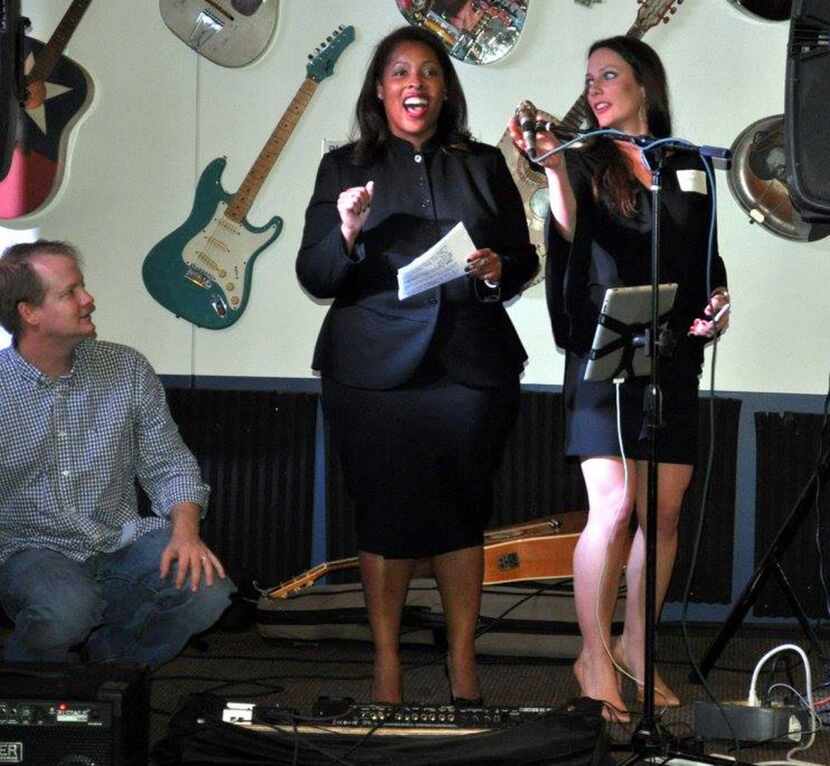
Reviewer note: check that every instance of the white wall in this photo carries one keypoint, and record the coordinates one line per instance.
(161, 113)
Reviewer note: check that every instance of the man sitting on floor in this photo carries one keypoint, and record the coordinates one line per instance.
(80, 421)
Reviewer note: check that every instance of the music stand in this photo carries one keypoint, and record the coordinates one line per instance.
(648, 742)
(620, 346)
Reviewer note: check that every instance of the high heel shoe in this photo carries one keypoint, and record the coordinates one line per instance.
(663, 697)
(610, 712)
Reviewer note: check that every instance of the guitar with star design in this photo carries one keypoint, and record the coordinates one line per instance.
(58, 92)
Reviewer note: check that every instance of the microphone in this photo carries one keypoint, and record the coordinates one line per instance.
(526, 115)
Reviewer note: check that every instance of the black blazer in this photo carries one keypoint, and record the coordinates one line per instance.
(369, 338)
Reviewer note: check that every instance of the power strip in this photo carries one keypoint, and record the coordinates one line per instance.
(751, 723)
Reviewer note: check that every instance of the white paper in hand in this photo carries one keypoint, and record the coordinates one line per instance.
(443, 262)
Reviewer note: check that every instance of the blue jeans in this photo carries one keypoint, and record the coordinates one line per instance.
(114, 603)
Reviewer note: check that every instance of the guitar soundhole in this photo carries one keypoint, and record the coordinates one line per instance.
(246, 7)
(540, 204)
(509, 561)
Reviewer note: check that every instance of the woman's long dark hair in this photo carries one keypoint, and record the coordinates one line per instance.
(371, 130)
(613, 178)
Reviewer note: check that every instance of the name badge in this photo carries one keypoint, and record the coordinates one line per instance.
(692, 181)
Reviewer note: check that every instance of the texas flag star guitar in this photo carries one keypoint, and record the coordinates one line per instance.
(58, 93)
(202, 271)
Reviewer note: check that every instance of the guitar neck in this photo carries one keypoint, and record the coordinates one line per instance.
(45, 62)
(241, 202)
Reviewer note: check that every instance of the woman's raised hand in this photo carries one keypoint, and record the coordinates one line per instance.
(353, 205)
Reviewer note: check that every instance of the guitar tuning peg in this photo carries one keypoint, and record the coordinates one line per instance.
(310, 57)
(328, 39)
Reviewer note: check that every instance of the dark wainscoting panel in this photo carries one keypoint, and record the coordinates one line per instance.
(712, 583)
(256, 450)
(537, 480)
(787, 456)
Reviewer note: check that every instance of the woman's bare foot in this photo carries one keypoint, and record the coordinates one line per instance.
(663, 695)
(598, 680)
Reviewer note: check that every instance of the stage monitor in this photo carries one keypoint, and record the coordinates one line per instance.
(807, 113)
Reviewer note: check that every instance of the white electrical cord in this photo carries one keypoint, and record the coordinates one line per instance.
(752, 699)
(617, 383)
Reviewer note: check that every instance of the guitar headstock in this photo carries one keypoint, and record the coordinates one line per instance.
(321, 62)
(296, 584)
(652, 12)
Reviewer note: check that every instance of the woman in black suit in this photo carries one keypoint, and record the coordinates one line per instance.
(420, 393)
(599, 236)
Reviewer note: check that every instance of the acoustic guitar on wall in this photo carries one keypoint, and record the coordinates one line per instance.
(202, 271)
(530, 179)
(58, 91)
(231, 33)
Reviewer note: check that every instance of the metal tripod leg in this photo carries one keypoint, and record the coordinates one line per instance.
(770, 563)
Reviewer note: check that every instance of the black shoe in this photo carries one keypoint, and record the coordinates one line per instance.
(464, 702)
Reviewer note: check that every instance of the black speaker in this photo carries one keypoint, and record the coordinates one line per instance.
(807, 113)
(74, 715)
(11, 74)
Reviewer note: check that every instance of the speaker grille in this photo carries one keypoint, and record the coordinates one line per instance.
(808, 108)
(62, 745)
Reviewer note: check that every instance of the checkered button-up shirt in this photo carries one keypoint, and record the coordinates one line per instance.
(72, 447)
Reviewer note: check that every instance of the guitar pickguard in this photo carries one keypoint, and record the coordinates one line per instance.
(221, 252)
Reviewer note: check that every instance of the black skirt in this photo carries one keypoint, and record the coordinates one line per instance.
(591, 416)
(419, 460)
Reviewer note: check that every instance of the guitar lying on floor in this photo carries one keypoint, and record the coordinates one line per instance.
(202, 271)
(535, 550)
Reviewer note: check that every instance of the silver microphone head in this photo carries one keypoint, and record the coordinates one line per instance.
(526, 115)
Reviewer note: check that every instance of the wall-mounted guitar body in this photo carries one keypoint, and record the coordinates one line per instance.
(230, 33)
(473, 32)
(758, 181)
(57, 93)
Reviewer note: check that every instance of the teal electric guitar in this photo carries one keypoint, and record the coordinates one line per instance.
(202, 271)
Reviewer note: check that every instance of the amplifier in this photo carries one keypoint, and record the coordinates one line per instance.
(344, 716)
(73, 715)
(213, 730)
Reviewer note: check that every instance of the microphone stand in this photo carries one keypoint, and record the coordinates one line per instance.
(648, 742)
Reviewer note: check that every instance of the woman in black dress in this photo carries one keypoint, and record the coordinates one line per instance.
(599, 236)
(420, 393)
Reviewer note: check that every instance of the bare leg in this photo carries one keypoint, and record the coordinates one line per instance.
(672, 482)
(459, 575)
(603, 540)
(385, 585)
